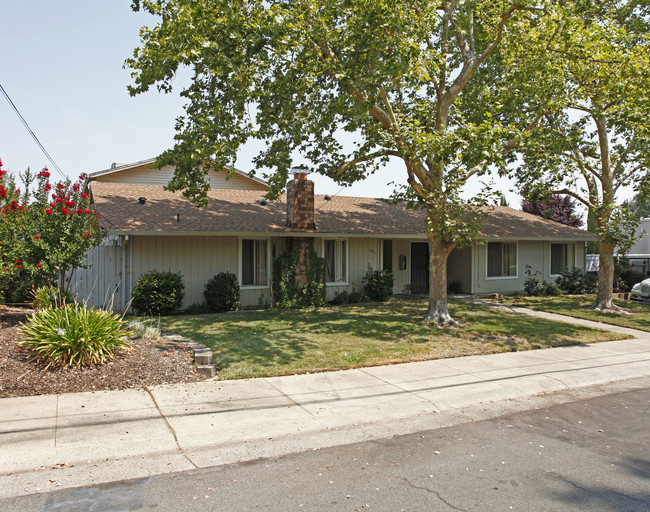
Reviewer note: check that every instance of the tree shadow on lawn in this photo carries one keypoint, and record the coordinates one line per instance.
(277, 338)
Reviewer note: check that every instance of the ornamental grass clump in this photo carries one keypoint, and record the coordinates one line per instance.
(74, 336)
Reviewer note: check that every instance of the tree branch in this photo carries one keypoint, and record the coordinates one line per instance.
(623, 180)
(366, 158)
(573, 194)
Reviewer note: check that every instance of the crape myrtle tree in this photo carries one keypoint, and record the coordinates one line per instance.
(346, 85)
(591, 82)
(45, 228)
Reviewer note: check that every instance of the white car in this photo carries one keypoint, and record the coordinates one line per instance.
(641, 291)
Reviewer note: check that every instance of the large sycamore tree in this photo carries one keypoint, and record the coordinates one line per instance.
(588, 88)
(345, 84)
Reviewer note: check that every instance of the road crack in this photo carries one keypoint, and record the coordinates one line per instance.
(431, 491)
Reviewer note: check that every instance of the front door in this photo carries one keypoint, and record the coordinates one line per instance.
(419, 268)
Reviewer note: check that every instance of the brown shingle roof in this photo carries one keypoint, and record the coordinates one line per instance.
(240, 211)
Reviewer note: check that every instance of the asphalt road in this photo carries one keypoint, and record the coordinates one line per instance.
(588, 455)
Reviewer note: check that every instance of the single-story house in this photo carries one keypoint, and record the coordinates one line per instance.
(153, 229)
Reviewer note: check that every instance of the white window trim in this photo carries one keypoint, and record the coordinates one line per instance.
(550, 257)
(501, 278)
(347, 262)
(268, 265)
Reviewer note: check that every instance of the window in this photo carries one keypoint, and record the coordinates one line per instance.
(336, 261)
(254, 267)
(501, 259)
(558, 258)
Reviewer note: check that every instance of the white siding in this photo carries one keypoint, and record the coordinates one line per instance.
(145, 175)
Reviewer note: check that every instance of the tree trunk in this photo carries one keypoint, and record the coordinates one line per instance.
(438, 254)
(605, 277)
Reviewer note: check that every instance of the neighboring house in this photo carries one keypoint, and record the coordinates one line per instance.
(153, 229)
(639, 253)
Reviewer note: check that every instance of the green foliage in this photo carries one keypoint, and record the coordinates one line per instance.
(584, 96)
(454, 286)
(302, 76)
(17, 287)
(575, 281)
(46, 228)
(222, 292)
(345, 297)
(48, 297)
(287, 294)
(197, 308)
(158, 293)
(379, 284)
(73, 336)
(628, 278)
(147, 328)
(534, 286)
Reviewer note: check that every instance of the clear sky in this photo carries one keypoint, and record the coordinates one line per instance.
(61, 62)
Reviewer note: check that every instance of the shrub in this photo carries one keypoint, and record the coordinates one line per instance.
(222, 292)
(197, 308)
(74, 335)
(454, 286)
(345, 297)
(533, 285)
(379, 284)
(536, 287)
(147, 328)
(48, 297)
(575, 281)
(628, 278)
(551, 289)
(312, 294)
(158, 293)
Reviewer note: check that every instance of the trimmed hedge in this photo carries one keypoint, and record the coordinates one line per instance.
(158, 293)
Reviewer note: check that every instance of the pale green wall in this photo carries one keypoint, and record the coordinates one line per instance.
(533, 253)
(459, 266)
(199, 258)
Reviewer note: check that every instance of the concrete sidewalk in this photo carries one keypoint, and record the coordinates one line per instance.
(55, 441)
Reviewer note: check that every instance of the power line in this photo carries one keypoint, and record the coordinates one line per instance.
(38, 142)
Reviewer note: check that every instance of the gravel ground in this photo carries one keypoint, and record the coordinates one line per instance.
(146, 363)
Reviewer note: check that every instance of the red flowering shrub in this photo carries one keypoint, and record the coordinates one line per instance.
(44, 239)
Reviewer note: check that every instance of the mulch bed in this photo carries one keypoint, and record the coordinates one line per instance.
(146, 363)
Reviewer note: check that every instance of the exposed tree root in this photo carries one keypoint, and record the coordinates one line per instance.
(609, 307)
(440, 316)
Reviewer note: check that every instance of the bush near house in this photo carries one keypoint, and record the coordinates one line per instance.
(48, 297)
(222, 293)
(536, 287)
(379, 284)
(576, 281)
(158, 293)
(628, 278)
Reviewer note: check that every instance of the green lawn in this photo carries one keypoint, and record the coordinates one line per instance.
(578, 306)
(266, 343)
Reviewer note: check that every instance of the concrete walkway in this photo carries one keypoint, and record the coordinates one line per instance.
(55, 441)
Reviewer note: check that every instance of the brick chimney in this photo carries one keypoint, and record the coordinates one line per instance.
(300, 201)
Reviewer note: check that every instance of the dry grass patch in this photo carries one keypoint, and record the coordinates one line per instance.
(267, 343)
